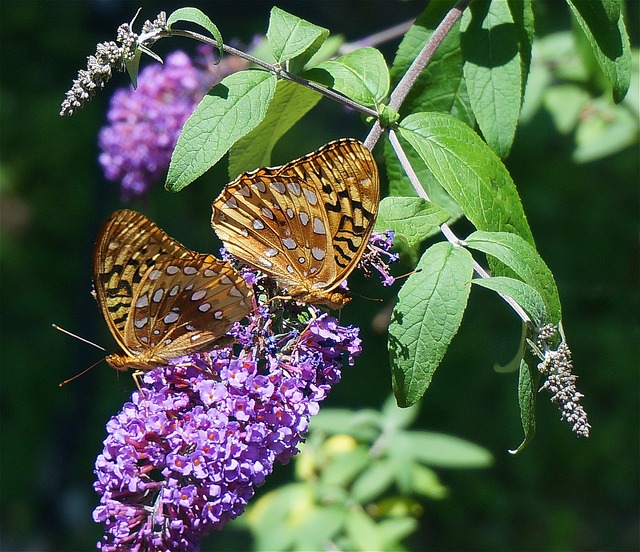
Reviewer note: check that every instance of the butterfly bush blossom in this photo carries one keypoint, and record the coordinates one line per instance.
(144, 124)
(185, 455)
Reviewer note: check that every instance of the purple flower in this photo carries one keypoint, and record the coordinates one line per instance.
(378, 248)
(144, 124)
(185, 455)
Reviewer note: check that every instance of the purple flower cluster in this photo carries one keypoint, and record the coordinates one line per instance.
(186, 454)
(144, 124)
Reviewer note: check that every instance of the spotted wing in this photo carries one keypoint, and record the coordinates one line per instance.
(183, 306)
(134, 261)
(305, 223)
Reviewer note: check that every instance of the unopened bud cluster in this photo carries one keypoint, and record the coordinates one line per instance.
(109, 56)
(557, 366)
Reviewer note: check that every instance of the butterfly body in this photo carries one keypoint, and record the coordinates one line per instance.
(160, 299)
(306, 223)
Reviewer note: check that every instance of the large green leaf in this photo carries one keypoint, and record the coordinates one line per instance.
(608, 39)
(426, 318)
(289, 104)
(228, 112)
(440, 86)
(412, 218)
(293, 39)
(522, 293)
(468, 170)
(194, 15)
(446, 451)
(527, 395)
(361, 75)
(493, 70)
(524, 261)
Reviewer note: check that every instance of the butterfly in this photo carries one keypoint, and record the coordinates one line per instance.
(161, 300)
(307, 223)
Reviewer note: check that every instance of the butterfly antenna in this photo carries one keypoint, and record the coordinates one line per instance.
(56, 327)
(80, 374)
(407, 274)
(374, 299)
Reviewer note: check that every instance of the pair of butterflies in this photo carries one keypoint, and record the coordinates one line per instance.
(306, 224)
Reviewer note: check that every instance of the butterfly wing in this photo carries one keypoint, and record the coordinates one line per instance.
(305, 223)
(136, 262)
(182, 308)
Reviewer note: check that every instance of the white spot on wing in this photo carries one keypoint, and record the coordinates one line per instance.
(204, 307)
(143, 301)
(271, 252)
(278, 187)
(170, 318)
(198, 295)
(172, 269)
(157, 296)
(141, 323)
(289, 243)
(257, 224)
(317, 253)
(190, 270)
(174, 290)
(154, 274)
(318, 226)
(268, 213)
(311, 196)
(294, 188)
(304, 218)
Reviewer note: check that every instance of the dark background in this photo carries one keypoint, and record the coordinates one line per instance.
(560, 494)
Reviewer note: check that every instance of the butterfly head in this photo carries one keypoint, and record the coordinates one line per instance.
(122, 362)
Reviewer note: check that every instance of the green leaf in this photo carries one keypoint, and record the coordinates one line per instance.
(289, 104)
(427, 316)
(316, 529)
(445, 451)
(608, 39)
(412, 218)
(395, 418)
(425, 482)
(493, 70)
(399, 184)
(607, 130)
(342, 469)
(361, 75)
(362, 531)
(394, 530)
(271, 516)
(440, 86)
(374, 481)
(194, 15)
(525, 295)
(364, 425)
(613, 9)
(514, 364)
(468, 170)
(522, 13)
(565, 103)
(525, 261)
(292, 39)
(132, 66)
(527, 384)
(228, 112)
